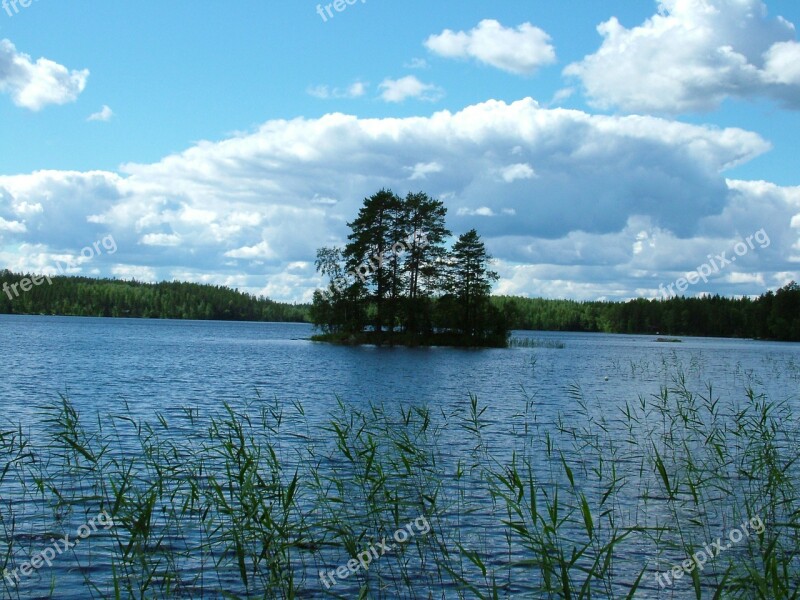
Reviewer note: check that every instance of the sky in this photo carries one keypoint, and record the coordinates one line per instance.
(603, 150)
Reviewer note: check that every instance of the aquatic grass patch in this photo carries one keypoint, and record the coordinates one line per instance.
(528, 342)
(251, 501)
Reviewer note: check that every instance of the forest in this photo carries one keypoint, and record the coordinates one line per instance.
(86, 297)
(773, 315)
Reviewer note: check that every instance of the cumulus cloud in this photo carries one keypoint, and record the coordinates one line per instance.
(34, 85)
(561, 95)
(484, 211)
(691, 56)
(422, 170)
(161, 239)
(511, 173)
(261, 250)
(416, 63)
(138, 273)
(253, 209)
(643, 256)
(642, 259)
(104, 114)
(355, 90)
(399, 90)
(12, 226)
(521, 50)
(782, 64)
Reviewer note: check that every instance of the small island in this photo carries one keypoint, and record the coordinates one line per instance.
(396, 283)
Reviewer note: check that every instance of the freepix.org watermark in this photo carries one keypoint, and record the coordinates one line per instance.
(710, 551)
(418, 240)
(326, 12)
(57, 548)
(88, 253)
(420, 526)
(716, 264)
(9, 5)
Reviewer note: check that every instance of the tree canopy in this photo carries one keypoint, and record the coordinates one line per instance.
(87, 297)
(431, 290)
(396, 281)
(773, 315)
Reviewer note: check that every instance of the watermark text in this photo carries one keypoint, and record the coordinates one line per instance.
(364, 559)
(88, 253)
(9, 5)
(710, 551)
(716, 264)
(57, 548)
(326, 11)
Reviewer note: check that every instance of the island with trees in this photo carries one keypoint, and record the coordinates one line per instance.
(424, 290)
(396, 282)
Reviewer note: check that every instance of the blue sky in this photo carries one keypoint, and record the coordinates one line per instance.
(224, 142)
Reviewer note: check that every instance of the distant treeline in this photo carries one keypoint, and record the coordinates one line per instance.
(86, 297)
(773, 315)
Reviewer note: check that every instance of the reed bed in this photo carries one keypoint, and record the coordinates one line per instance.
(253, 502)
(527, 342)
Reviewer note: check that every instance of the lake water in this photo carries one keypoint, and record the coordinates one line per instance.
(169, 366)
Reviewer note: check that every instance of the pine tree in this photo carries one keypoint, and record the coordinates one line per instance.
(342, 306)
(470, 282)
(425, 232)
(367, 255)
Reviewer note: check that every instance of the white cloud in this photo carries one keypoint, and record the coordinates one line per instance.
(422, 170)
(250, 209)
(24, 208)
(399, 90)
(324, 200)
(561, 95)
(355, 90)
(260, 251)
(782, 63)
(691, 56)
(520, 51)
(34, 85)
(482, 211)
(641, 257)
(139, 273)
(512, 173)
(104, 114)
(320, 91)
(11, 226)
(416, 63)
(161, 239)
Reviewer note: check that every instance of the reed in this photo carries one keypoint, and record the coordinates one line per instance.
(253, 502)
(526, 342)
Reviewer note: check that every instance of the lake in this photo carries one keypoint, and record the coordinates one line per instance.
(569, 400)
